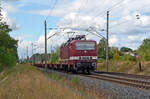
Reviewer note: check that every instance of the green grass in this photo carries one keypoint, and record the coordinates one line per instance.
(54, 77)
(76, 80)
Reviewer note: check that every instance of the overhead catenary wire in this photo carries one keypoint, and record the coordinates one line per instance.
(115, 25)
(118, 24)
(51, 10)
(126, 21)
(102, 12)
(109, 9)
(78, 12)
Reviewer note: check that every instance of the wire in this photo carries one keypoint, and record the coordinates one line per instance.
(79, 10)
(94, 34)
(110, 9)
(103, 11)
(81, 6)
(119, 24)
(51, 11)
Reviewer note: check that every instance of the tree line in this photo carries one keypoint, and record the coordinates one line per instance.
(8, 46)
(125, 53)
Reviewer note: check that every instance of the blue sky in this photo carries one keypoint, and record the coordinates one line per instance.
(31, 24)
(26, 18)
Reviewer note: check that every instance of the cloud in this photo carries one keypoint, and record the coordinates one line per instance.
(83, 13)
(23, 44)
(39, 44)
(12, 0)
(22, 49)
(9, 8)
(113, 40)
(11, 22)
(79, 15)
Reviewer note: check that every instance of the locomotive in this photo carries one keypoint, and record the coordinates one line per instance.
(79, 54)
(76, 55)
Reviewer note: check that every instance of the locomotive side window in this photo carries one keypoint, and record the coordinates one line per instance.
(85, 46)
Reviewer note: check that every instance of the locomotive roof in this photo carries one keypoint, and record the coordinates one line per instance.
(75, 39)
(78, 41)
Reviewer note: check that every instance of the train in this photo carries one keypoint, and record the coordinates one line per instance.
(76, 55)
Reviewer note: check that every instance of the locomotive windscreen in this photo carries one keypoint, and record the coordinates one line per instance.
(85, 46)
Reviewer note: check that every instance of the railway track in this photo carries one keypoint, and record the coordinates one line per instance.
(137, 83)
(125, 75)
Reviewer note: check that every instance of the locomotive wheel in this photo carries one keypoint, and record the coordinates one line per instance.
(75, 71)
(88, 71)
(83, 71)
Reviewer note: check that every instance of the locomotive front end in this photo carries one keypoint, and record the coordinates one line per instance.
(85, 55)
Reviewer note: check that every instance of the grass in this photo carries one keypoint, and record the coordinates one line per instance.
(26, 82)
(125, 67)
(75, 85)
(76, 80)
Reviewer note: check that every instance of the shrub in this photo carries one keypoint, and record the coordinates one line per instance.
(7, 59)
(116, 56)
(128, 57)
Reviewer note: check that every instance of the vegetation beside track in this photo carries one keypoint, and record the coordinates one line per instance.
(126, 67)
(8, 46)
(26, 82)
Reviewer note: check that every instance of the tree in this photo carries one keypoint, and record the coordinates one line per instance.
(144, 50)
(125, 49)
(54, 56)
(102, 49)
(8, 46)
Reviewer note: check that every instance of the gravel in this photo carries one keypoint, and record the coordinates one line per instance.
(113, 90)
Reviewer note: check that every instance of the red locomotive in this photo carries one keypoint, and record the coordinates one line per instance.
(79, 54)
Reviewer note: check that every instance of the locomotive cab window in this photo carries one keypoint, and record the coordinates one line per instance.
(85, 46)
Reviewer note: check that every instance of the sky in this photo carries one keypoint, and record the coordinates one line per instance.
(129, 21)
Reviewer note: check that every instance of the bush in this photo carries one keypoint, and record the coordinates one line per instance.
(116, 56)
(100, 60)
(7, 59)
(128, 58)
(146, 56)
(144, 50)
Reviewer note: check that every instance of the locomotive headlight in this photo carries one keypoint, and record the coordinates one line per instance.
(93, 64)
(94, 57)
(78, 64)
(74, 58)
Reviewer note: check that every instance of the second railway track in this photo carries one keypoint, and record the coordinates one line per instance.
(137, 83)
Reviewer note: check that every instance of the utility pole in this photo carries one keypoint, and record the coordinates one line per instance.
(107, 43)
(32, 54)
(27, 55)
(45, 46)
